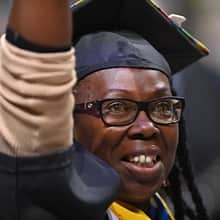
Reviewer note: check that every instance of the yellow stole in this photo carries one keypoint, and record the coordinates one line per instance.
(132, 213)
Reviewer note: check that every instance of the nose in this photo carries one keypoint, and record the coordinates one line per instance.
(143, 127)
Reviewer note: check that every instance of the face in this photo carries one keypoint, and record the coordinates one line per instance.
(120, 145)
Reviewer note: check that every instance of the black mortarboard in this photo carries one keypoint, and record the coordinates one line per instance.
(115, 33)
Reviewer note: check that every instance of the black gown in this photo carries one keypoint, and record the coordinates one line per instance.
(64, 186)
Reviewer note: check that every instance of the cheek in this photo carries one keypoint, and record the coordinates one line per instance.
(96, 137)
(170, 138)
(86, 130)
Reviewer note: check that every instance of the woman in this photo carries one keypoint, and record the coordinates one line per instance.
(42, 175)
(127, 112)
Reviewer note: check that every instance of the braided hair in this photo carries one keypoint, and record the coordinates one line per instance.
(182, 175)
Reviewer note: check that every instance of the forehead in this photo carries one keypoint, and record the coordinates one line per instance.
(129, 81)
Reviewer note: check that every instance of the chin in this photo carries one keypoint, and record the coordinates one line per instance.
(138, 193)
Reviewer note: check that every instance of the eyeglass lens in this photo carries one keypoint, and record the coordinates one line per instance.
(119, 112)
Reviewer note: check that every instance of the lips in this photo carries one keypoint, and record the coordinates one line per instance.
(144, 160)
(144, 164)
(143, 155)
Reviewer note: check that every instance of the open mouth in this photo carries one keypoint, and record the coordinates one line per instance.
(143, 160)
(143, 164)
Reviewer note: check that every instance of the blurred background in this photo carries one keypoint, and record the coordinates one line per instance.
(200, 84)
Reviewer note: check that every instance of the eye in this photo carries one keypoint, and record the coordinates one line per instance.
(117, 107)
(163, 109)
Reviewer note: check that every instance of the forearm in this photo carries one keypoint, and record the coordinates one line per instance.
(36, 98)
(43, 22)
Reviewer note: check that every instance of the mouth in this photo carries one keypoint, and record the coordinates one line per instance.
(143, 160)
(144, 166)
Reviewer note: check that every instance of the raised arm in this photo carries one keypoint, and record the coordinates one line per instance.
(37, 78)
(42, 175)
(43, 22)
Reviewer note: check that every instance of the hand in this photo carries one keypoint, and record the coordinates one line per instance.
(43, 22)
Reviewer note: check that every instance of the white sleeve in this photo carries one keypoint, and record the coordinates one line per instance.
(36, 100)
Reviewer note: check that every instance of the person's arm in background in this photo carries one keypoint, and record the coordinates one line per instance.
(36, 87)
(42, 176)
(43, 22)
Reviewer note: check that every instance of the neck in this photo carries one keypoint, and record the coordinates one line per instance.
(143, 205)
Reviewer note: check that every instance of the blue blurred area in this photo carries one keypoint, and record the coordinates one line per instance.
(4, 9)
(200, 84)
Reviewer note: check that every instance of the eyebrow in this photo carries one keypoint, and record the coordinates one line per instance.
(113, 91)
(160, 90)
(117, 90)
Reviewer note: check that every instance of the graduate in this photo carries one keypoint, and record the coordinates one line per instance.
(127, 111)
(43, 175)
(128, 121)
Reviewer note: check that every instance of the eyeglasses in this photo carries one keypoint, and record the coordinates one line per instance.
(121, 112)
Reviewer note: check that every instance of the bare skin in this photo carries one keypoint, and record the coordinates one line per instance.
(44, 22)
(116, 144)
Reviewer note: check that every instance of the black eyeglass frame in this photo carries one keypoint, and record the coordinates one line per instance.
(95, 108)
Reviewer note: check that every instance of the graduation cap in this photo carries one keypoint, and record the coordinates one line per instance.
(99, 21)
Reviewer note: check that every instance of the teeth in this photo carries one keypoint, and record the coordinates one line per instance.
(136, 159)
(148, 159)
(142, 159)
